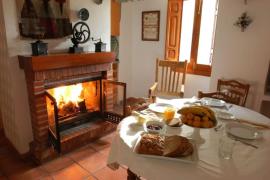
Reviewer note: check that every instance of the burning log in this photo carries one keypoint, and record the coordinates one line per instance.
(67, 109)
(82, 106)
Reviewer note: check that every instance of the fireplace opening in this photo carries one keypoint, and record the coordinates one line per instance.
(74, 109)
(68, 102)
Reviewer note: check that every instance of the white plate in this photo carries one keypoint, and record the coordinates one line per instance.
(243, 131)
(159, 107)
(193, 158)
(212, 102)
(224, 115)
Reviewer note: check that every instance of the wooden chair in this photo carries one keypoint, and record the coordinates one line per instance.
(221, 96)
(169, 79)
(136, 104)
(233, 89)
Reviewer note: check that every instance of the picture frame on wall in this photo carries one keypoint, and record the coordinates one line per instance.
(150, 25)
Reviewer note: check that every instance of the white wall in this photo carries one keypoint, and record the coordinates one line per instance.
(137, 57)
(243, 55)
(13, 99)
(237, 55)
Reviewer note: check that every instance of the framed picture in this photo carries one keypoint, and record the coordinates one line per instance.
(44, 19)
(150, 25)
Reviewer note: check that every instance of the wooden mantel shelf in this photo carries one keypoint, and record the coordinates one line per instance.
(58, 61)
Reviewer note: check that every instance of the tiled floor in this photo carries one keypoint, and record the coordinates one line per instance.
(88, 162)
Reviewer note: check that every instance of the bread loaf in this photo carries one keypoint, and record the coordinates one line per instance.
(170, 146)
(176, 146)
(152, 144)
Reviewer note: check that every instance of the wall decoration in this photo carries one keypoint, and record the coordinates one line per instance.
(83, 14)
(150, 25)
(243, 21)
(80, 34)
(44, 19)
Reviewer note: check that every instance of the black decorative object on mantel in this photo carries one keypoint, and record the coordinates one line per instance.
(243, 21)
(39, 48)
(81, 34)
(99, 46)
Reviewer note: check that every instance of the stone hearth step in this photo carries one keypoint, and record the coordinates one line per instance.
(85, 133)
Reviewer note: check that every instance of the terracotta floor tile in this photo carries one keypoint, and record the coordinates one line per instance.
(57, 164)
(108, 174)
(9, 165)
(3, 178)
(73, 172)
(109, 137)
(79, 164)
(91, 178)
(94, 162)
(34, 173)
(106, 151)
(46, 178)
(100, 145)
(81, 153)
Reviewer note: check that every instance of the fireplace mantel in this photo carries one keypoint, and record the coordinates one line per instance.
(58, 61)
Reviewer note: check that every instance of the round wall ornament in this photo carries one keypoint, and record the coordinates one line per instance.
(83, 14)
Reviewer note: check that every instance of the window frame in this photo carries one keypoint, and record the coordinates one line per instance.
(193, 67)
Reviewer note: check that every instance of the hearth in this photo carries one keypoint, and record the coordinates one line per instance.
(72, 100)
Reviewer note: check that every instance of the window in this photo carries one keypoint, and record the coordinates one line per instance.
(190, 33)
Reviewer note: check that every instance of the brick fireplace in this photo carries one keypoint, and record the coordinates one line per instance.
(55, 131)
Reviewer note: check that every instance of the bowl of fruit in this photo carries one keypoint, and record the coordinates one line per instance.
(198, 116)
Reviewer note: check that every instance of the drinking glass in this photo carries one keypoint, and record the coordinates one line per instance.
(169, 114)
(226, 145)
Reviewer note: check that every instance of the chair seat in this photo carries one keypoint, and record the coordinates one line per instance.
(136, 104)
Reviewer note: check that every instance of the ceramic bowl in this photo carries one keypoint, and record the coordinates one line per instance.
(154, 127)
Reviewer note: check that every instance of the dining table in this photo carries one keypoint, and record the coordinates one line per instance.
(248, 162)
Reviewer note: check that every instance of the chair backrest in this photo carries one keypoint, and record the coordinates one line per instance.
(170, 76)
(234, 88)
(221, 96)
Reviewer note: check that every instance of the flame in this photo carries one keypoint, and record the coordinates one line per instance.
(66, 94)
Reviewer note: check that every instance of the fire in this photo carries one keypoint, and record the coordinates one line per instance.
(74, 99)
(68, 95)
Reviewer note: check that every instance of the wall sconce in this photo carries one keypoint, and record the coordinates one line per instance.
(243, 21)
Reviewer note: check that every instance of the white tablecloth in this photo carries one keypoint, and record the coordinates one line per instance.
(247, 162)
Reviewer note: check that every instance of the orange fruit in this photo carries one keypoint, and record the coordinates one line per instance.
(184, 119)
(196, 123)
(190, 116)
(197, 118)
(207, 124)
(190, 122)
(205, 118)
